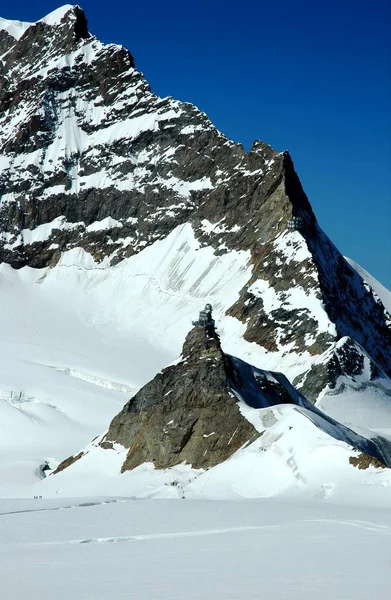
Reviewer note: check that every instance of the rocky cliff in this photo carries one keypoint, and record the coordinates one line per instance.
(92, 159)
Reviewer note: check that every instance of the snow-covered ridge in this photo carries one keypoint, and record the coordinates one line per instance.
(17, 28)
(54, 17)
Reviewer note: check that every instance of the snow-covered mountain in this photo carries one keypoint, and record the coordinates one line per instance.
(121, 214)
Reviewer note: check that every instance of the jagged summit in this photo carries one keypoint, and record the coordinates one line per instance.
(67, 12)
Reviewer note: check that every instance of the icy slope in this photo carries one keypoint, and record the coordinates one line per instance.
(15, 29)
(383, 293)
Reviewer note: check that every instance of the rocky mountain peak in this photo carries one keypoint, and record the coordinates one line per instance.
(68, 16)
(263, 149)
(201, 343)
(57, 34)
(93, 161)
(78, 22)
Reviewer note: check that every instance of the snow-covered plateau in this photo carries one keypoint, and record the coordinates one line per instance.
(122, 215)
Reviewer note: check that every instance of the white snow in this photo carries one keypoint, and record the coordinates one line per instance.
(220, 227)
(192, 129)
(107, 223)
(57, 15)
(17, 28)
(39, 234)
(79, 337)
(295, 298)
(293, 247)
(362, 408)
(120, 548)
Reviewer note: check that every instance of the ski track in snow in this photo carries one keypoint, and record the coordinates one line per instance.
(368, 526)
(222, 550)
(82, 505)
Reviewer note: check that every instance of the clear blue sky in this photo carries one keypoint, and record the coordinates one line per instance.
(307, 76)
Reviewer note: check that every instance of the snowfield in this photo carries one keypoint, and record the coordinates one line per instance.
(170, 550)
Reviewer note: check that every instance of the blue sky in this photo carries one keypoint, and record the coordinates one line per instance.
(305, 76)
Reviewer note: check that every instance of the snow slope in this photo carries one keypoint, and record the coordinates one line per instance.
(79, 338)
(15, 28)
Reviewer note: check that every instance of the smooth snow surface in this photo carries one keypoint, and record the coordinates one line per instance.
(363, 409)
(165, 550)
(55, 16)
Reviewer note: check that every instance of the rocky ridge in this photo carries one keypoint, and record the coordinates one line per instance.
(192, 412)
(92, 159)
(187, 413)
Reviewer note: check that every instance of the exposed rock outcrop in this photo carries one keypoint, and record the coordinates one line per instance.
(187, 413)
(363, 461)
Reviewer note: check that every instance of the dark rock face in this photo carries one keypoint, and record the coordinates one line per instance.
(188, 412)
(83, 139)
(68, 462)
